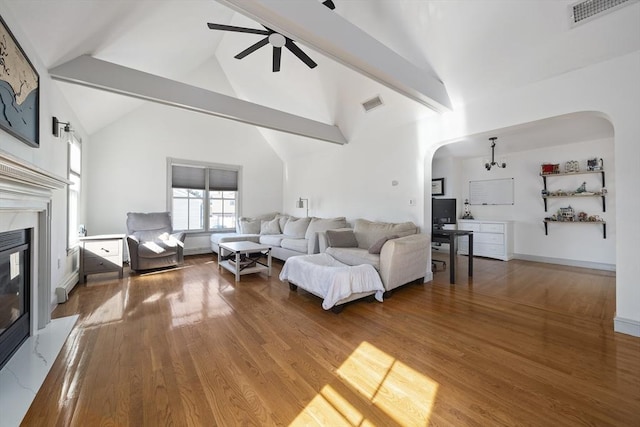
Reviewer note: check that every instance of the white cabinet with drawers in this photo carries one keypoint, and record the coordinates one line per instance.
(491, 239)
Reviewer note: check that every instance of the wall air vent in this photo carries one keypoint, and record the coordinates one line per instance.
(372, 103)
(586, 10)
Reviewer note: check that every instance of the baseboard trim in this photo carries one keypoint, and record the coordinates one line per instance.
(428, 277)
(65, 288)
(626, 326)
(568, 262)
(198, 251)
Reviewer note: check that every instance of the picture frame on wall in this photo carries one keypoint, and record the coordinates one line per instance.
(19, 90)
(437, 187)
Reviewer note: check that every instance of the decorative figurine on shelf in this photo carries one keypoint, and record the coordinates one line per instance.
(594, 164)
(549, 168)
(572, 166)
(467, 210)
(582, 216)
(566, 214)
(582, 188)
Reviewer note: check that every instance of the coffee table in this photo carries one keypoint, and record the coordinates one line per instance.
(242, 260)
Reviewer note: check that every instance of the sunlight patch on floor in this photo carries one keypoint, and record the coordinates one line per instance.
(196, 305)
(110, 311)
(403, 394)
(329, 408)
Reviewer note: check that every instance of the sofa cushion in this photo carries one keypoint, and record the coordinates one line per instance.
(157, 248)
(296, 227)
(369, 232)
(151, 235)
(342, 239)
(324, 224)
(376, 248)
(299, 245)
(138, 221)
(354, 256)
(271, 239)
(270, 227)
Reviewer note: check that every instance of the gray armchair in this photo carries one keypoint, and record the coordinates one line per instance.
(151, 241)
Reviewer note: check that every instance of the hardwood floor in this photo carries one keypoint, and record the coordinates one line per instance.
(520, 344)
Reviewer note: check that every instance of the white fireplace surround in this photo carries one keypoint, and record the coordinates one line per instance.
(25, 203)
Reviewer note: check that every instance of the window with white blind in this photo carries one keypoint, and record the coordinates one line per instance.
(204, 197)
(73, 190)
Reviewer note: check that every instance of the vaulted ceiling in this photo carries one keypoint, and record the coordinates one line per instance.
(476, 48)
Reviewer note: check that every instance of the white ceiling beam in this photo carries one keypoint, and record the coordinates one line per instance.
(88, 71)
(313, 24)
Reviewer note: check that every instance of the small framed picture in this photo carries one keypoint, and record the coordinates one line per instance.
(437, 187)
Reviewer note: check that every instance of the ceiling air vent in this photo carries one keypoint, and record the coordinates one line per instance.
(588, 9)
(372, 103)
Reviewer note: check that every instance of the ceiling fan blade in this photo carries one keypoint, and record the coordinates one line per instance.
(299, 53)
(329, 4)
(252, 48)
(277, 55)
(237, 29)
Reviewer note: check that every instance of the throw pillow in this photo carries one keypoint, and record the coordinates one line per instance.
(324, 224)
(270, 227)
(249, 226)
(342, 239)
(295, 228)
(376, 248)
(282, 219)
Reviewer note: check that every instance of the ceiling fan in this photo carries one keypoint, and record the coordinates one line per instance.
(273, 38)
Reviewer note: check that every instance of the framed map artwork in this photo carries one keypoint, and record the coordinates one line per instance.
(19, 91)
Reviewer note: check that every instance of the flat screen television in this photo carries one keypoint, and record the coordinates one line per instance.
(443, 211)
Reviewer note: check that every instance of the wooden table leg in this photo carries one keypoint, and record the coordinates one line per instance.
(452, 259)
(269, 262)
(470, 254)
(237, 266)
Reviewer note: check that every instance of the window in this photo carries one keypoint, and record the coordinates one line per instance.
(73, 192)
(204, 197)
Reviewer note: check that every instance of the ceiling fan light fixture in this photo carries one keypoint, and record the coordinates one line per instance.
(277, 40)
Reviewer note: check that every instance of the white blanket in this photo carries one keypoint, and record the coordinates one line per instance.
(330, 279)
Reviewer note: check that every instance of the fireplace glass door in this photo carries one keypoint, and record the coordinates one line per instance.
(14, 292)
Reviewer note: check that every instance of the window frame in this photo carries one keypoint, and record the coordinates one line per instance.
(206, 199)
(71, 241)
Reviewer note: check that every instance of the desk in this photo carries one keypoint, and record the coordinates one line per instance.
(449, 236)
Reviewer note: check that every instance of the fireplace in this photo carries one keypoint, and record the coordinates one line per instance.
(26, 193)
(15, 287)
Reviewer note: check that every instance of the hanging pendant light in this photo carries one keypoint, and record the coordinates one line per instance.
(493, 158)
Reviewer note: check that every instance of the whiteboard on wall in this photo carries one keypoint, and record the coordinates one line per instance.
(491, 192)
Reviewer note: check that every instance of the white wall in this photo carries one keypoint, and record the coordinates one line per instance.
(50, 156)
(126, 169)
(571, 244)
(356, 180)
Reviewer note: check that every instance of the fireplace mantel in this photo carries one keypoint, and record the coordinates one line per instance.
(20, 177)
(25, 202)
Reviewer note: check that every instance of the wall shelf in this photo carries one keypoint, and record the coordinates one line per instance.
(550, 196)
(604, 225)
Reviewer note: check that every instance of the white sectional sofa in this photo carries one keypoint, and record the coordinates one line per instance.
(397, 251)
(288, 236)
